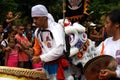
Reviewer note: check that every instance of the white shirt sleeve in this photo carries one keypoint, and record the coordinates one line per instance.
(57, 51)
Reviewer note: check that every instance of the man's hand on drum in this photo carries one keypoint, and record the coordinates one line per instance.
(36, 59)
(106, 73)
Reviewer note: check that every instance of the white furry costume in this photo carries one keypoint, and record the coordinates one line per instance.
(82, 49)
(79, 41)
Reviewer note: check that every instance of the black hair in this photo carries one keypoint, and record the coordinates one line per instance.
(13, 39)
(1, 24)
(20, 25)
(114, 16)
(5, 36)
(10, 31)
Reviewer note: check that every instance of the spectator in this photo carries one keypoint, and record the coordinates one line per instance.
(9, 20)
(24, 43)
(4, 43)
(11, 53)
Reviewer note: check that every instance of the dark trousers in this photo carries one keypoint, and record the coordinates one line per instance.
(25, 64)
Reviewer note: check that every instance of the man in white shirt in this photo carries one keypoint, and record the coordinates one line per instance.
(50, 38)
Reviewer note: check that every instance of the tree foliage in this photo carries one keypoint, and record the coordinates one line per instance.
(5, 6)
(24, 7)
(99, 7)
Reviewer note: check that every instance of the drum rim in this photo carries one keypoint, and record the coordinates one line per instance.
(22, 72)
(93, 59)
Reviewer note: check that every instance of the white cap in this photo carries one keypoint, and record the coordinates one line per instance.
(39, 10)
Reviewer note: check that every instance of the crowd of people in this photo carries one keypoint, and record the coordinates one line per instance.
(16, 40)
(43, 45)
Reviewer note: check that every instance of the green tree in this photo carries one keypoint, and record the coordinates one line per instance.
(24, 7)
(53, 6)
(5, 6)
(101, 7)
(98, 7)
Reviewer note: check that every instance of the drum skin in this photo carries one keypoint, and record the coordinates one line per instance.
(93, 66)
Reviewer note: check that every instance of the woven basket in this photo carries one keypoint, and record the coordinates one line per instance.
(13, 73)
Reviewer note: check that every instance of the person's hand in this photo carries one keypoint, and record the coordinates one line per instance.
(29, 51)
(36, 59)
(7, 49)
(106, 73)
(0, 50)
(16, 17)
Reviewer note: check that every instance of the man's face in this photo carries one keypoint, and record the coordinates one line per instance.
(40, 22)
(21, 30)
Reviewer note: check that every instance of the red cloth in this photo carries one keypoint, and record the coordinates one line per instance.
(63, 63)
(24, 41)
(37, 65)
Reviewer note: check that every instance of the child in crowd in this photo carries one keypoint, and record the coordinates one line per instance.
(11, 53)
(9, 20)
(9, 34)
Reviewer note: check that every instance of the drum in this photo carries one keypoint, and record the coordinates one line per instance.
(12, 73)
(93, 66)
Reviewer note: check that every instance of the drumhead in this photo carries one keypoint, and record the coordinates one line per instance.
(93, 66)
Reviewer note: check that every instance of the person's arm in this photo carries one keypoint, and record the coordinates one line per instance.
(36, 50)
(100, 35)
(57, 51)
(10, 20)
(7, 50)
(6, 57)
(92, 35)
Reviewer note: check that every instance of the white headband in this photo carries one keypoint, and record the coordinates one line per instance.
(39, 10)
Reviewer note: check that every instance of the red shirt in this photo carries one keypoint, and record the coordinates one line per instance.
(24, 41)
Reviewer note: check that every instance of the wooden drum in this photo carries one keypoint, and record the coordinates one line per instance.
(93, 66)
(11, 73)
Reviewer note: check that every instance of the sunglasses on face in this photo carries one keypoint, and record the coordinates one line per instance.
(21, 29)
